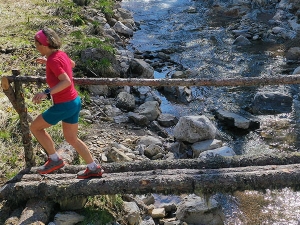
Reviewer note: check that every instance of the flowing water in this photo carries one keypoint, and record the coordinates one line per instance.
(199, 42)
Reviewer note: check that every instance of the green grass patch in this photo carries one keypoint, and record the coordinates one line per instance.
(106, 6)
(101, 209)
(4, 134)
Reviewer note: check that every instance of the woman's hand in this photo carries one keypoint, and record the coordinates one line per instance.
(41, 60)
(38, 97)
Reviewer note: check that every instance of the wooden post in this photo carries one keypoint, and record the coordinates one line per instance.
(17, 99)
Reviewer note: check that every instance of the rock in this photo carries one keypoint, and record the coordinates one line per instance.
(158, 213)
(148, 199)
(179, 75)
(140, 69)
(143, 91)
(151, 96)
(194, 128)
(294, 24)
(243, 32)
(178, 148)
(277, 30)
(270, 103)
(81, 2)
(223, 151)
(101, 90)
(234, 120)
(132, 213)
(297, 70)
(196, 210)
(123, 13)
(121, 119)
(138, 119)
(202, 146)
(293, 53)
(154, 125)
(96, 55)
(119, 27)
(241, 41)
(167, 120)
(111, 34)
(125, 101)
(171, 221)
(111, 111)
(148, 220)
(85, 113)
(149, 109)
(117, 155)
(152, 150)
(148, 140)
(67, 218)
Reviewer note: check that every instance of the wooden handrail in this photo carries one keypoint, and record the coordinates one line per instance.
(240, 81)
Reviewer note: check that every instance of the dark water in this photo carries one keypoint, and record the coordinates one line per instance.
(201, 43)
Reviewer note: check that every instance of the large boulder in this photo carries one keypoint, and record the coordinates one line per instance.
(235, 120)
(150, 109)
(125, 101)
(119, 27)
(293, 53)
(101, 63)
(149, 140)
(196, 210)
(270, 103)
(224, 151)
(194, 128)
(140, 69)
(202, 146)
(132, 213)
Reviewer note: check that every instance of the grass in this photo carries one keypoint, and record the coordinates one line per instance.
(101, 209)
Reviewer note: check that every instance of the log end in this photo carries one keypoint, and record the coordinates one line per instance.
(5, 83)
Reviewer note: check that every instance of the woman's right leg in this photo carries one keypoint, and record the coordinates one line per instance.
(37, 128)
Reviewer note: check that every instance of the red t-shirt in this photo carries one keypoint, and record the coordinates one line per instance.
(57, 64)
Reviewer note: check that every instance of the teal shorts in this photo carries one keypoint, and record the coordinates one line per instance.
(67, 112)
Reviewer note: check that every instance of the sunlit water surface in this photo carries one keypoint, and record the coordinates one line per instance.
(202, 44)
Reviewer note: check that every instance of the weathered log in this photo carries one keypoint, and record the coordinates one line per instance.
(200, 181)
(24, 124)
(240, 81)
(216, 162)
(9, 92)
(17, 100)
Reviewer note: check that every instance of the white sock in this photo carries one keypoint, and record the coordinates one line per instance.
(54, 157)
(92, 166)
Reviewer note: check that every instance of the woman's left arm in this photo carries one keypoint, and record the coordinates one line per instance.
(72, 63)
(64, 82)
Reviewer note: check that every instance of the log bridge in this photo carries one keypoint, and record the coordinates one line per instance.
(220, 174)
(200, 176)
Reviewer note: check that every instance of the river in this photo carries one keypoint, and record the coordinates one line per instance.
(199, 42)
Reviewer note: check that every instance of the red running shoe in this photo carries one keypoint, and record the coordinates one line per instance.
(50, 166)
(87, 173)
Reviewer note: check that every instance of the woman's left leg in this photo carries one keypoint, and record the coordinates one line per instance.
(70, 133)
